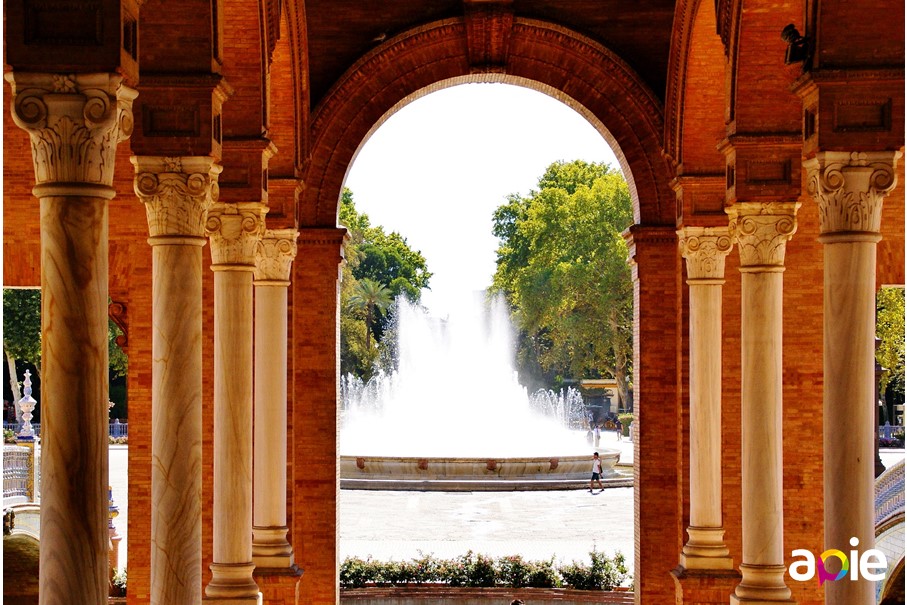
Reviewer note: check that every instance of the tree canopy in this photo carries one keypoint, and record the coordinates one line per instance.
(562, 265)
(890, 330)
(380, 267)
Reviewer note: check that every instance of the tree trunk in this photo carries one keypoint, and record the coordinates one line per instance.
(14, 384)
(620, 362)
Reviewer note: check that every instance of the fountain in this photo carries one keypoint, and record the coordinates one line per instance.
(452, 414)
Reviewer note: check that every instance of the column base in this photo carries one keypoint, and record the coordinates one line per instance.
(761, 584)
(735, 600)
(232, 581)
(704, 587)
(706, 549)
(270, 548)
(257, 600)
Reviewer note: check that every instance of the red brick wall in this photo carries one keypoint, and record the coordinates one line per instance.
(657, 439)
(314, 404)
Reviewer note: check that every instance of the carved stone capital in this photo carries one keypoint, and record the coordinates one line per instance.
(762, 230)
(74, 121)
(177, 193)
(234, 230)
(705, 249)
(274, 256)
(850, 187)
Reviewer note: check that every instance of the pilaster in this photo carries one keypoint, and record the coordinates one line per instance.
(705, 250)
(849, 189)
(762, 231)
(74, 122)
(177, 193)
(234, 231)
(316, 369)
(655, 265)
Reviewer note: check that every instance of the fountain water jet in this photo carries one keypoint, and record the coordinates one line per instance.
(453, 409)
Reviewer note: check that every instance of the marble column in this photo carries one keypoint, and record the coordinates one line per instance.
(705, 249)
(270, 548)
(849, 189)
(762, 231)
(74, 122)
(177, 192)
(235, 230)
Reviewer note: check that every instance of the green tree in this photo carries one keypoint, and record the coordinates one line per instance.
(562, 264)
(389, 263)
(22, 335)
(21, 332)
(890, 330)
(372, 299)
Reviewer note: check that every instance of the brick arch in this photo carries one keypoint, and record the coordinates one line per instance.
(696, 100)
(553, 60)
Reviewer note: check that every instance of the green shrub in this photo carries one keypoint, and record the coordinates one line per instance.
(355, 572)
(542, 574)
(483, 571)
(514, 571)
(9, 436)
(603, 574)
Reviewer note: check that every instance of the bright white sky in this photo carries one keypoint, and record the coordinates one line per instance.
(436, 170)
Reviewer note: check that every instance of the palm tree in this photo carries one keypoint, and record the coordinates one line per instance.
(369, 295)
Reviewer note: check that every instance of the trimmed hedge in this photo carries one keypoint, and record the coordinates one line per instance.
(477, 570)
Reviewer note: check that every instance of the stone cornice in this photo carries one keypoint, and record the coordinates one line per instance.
(762, 230)
(177, 193)
(74, 122)
(235, 230)
(850, 187)
(705, 249)
(274, 256)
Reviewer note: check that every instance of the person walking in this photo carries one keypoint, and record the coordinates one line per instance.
(596, 472)
(596, 433)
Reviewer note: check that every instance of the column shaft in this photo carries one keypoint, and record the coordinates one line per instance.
(270, 547)
(763, 519)
(762, 231)
(849, 189)
(176, 419)
(232, 416)
(74, 387)
(849, 420)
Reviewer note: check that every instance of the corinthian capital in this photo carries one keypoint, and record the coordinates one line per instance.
(705, 249)
(234, 230)
(850, 187)
(74, 122)
(274, 256)
(177, 193)
(762, 230)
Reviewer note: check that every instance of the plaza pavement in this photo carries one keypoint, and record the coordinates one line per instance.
(564, 524)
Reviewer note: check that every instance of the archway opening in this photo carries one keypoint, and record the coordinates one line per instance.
(436, 172)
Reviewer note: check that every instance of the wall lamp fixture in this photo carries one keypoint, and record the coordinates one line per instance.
(797, 45)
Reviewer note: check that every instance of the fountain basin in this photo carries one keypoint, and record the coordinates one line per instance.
(467, 474)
